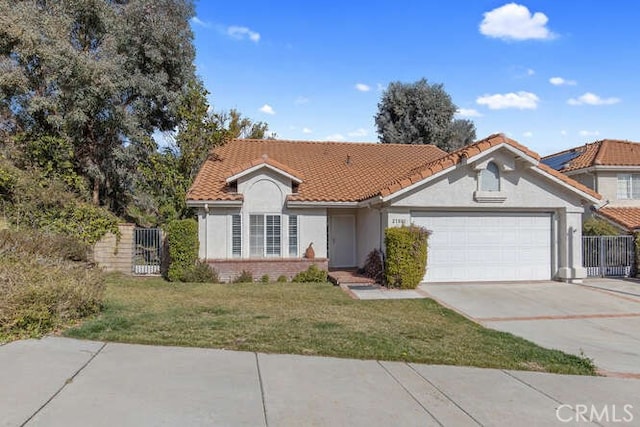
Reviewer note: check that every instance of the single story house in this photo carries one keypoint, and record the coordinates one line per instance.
(495, 211)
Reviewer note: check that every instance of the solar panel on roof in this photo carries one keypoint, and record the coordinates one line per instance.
(559, 161)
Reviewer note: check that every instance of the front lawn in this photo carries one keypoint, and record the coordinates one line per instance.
(317, 319)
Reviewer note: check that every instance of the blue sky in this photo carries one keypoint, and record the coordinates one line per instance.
(550, 74)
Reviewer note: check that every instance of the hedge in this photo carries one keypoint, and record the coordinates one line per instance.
(599, 227)
(182, 239)
(311, 275)
(406, 260)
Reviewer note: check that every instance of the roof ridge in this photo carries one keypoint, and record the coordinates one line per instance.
(303, 141)
(568, 150)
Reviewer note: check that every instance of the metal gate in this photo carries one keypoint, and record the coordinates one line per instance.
(608, 255)
(147, 250)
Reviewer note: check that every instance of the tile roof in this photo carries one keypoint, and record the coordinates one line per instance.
(330, 171)
(629, 218)
(343, 171)
(607, 152)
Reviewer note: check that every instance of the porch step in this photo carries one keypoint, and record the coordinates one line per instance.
(339, 277)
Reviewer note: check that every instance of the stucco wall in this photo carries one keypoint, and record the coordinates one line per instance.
(368, 230)
(608, 188)
(213, 232)
(264, 191)
(522, 188)
(313, 229)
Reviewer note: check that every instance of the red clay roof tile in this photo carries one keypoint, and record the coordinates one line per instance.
(628, 218)
(330, 171)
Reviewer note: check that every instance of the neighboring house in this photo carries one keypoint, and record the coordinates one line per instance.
(495, 211)
(611, 168)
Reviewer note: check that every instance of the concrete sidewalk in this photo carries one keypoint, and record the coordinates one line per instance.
(65, 382)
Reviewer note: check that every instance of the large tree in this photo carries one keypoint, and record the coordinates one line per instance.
(103, 74)
(165, 176)
(421, 113)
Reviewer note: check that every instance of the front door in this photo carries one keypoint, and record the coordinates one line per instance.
(342, 241)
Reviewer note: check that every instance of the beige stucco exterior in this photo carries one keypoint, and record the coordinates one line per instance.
(605, 181)
(523, 188)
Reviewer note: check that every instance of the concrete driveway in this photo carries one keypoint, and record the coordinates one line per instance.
(66, 382)
(600, 318)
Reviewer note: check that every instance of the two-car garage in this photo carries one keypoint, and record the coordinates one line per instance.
(487, 246)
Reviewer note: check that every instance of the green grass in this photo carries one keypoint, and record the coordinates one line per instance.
(309, 318)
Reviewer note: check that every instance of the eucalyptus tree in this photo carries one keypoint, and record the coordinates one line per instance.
(166, 175)
(104, 74)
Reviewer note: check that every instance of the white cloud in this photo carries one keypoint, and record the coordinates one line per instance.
(592, 99)
(242, 33)
(379, 87)
(589, 133)
(200, 22)
(267, 109)
(520, 100)
(515, 22)
(334, 137)
(358, 132)
(530, 71)
(468, 112)
(559, 81)
(362, 87)
(306, 130)
(301, 100)
(528, 134)
(563, 132)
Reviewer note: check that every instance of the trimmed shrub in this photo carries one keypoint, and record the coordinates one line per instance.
(200, 273)
(406, 259)
(599, 227)
(265, 278)
(182, 242)
(311, 274)
(282, 279)
(373, 266)
(244, 277)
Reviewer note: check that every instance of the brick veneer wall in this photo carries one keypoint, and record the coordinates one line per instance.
(228, 269)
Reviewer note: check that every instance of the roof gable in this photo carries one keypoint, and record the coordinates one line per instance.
(468, 153)
(264, 162)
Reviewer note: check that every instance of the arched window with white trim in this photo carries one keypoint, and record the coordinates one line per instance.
(490, 178)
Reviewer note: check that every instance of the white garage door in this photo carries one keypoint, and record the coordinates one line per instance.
(476, 246)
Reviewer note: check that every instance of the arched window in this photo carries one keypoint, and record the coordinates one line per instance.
(490, 178)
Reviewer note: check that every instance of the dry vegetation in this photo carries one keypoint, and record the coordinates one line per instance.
(45, 283)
